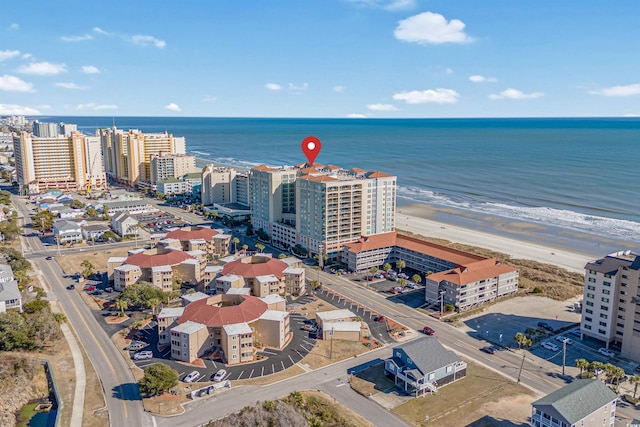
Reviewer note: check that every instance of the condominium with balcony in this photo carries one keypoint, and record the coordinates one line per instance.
(127, 154)
(166, 166)
(70, 163)
(611, 304)
(222, 185)
(322, 207)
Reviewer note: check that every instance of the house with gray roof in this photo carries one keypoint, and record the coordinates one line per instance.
(10, 296)
(584, 403)
(423, 365)
(67, 231)
(6, 273)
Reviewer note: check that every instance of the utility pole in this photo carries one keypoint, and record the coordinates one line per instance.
(521, 365)
(442, 303)
(331, 346)
(564, 354)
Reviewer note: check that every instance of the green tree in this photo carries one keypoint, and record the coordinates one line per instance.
(400, 264)
(109, 235)
(9, 229)
(141, 295)
(235, 242)
(92, 212)
(402, 282)
(22, 277)
(122, 305)
(36, 306)
(5, 196)
(14, 332)
(260, 247)
(596, 367)
(582, 364)
(43, 218)
(105, 210)
(522, 340)
(635, 380)
(416, 278)
(157, 379)
(87, 268)
(386, 266)
(76, 204)
(153, 303)
(60, 318)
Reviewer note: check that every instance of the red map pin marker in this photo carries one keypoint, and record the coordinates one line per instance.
(311, 147)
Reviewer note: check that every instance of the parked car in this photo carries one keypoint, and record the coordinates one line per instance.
(49, 258)
(142, 355)
(561, 338)
(309, 328)
(71, 287)
(606, 352)
(545, 325)
(576, 332)
(411, 285)
(550, 346)
(489, 350)
(136, 345)
(379, 319)
(193, 376)
(219, 376)
(429, 331)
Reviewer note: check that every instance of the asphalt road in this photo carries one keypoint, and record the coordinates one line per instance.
(120, 389)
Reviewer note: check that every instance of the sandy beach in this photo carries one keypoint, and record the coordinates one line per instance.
(518, 239)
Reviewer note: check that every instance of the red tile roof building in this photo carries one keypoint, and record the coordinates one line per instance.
(266, 275)
(462, 279)
(192, 238)
(227, 325)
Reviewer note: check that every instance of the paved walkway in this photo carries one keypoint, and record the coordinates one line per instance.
(78, 362)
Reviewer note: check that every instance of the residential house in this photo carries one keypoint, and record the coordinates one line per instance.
(67, 231)
(423, 365)
(582, 403)
(94, 231)
(123, 224)
(10, 297)
(6, 273)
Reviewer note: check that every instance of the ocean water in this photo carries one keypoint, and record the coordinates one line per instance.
(577, 174)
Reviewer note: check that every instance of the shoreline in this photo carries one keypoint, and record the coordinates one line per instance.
(520, 239)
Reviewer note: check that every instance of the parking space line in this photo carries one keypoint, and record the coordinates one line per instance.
(214, 364)
(273, 369)
(262, 375)
(251, 374)
(292, 362)
(181, 374)
(305, 341)
(283, 368)
(240, 376)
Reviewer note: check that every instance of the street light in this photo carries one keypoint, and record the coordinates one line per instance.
(442, 302)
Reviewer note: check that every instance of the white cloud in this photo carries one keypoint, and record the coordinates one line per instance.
(76, 38)
(515, 94)
(8, 54)
(356, 116)
(382, 107)
(482, 79)
(273, 86)
(94, 106)
(90, 69)
(14, 26)
(101, 31)
(339, 88)
(628, 90)
(26, 56)
(298, 89)
(173, 107)
(391, 5)
(434, 96)
(143, 40)
(631, 115)
(44, 106)
(43, 68)
(14, 84)
(209, 98)
(70, 85)
(12, 109)
(448, 71)
(431, 28)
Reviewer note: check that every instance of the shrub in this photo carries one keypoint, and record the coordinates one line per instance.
(537, 290)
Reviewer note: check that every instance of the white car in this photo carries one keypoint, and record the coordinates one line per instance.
(193, 376)
(142, 355)
(606, 352)
(219, 376)
(550, 346)
(560, 338)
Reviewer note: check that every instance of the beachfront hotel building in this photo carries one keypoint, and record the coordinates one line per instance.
(611, 300)
(127, 154)
(68, 163)
(165, 166)
(226, 326)
(223, 185)
(455, 277)
(194, 238)
(322, 207)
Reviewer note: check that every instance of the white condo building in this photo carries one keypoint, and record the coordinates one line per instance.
(222, 185)
(171, 165)
(610, 310)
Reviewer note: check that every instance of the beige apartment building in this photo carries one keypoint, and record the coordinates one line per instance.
(610, 305)
(165, 166)
(127, 154)
(214, 243)
(69, 163)
(265, 275)
(222, 185)
(321, 207)
(227, 326)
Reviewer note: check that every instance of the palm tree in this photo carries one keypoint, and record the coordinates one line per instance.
(282, 256)
(416, 278)
(400, 264)
(386, 266)
(260, 247)
(87, 268)
(235, 241)
(635, 380)
(582, 364)
(245, 247)
(522, 340)
(402, 282)
(153, 303)
(596, 367)
(122, 305)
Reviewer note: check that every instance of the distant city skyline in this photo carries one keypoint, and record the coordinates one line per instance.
(339, 58)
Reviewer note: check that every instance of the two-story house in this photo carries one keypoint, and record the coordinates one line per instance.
(423, 365)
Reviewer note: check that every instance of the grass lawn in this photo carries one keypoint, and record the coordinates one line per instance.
(483, 397)
(322, 354)
(370, 381)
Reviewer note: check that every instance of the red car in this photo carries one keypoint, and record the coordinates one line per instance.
(427, 330)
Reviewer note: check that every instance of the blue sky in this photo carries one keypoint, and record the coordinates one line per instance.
(320, 58)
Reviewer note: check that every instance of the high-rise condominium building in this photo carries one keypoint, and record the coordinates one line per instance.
(610, 310)
(128, 153)
(322, 207)
(224, 185)
(71, 163)
(171, 165)
(45, 130)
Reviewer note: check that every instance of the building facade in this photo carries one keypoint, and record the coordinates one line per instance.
(610, 302)
(171, 165)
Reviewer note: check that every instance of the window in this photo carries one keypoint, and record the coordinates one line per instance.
(606, 291)
(603, 316)
(592, 280)
(587, 327)
(607, 283)
(590, 303)
(604, 307)
(605, 299)
(603, 324)
(589, 311)
(588, 319)
(591, 287)
(602, 332)
(235, 347)
(184, 345)
(590, 295)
